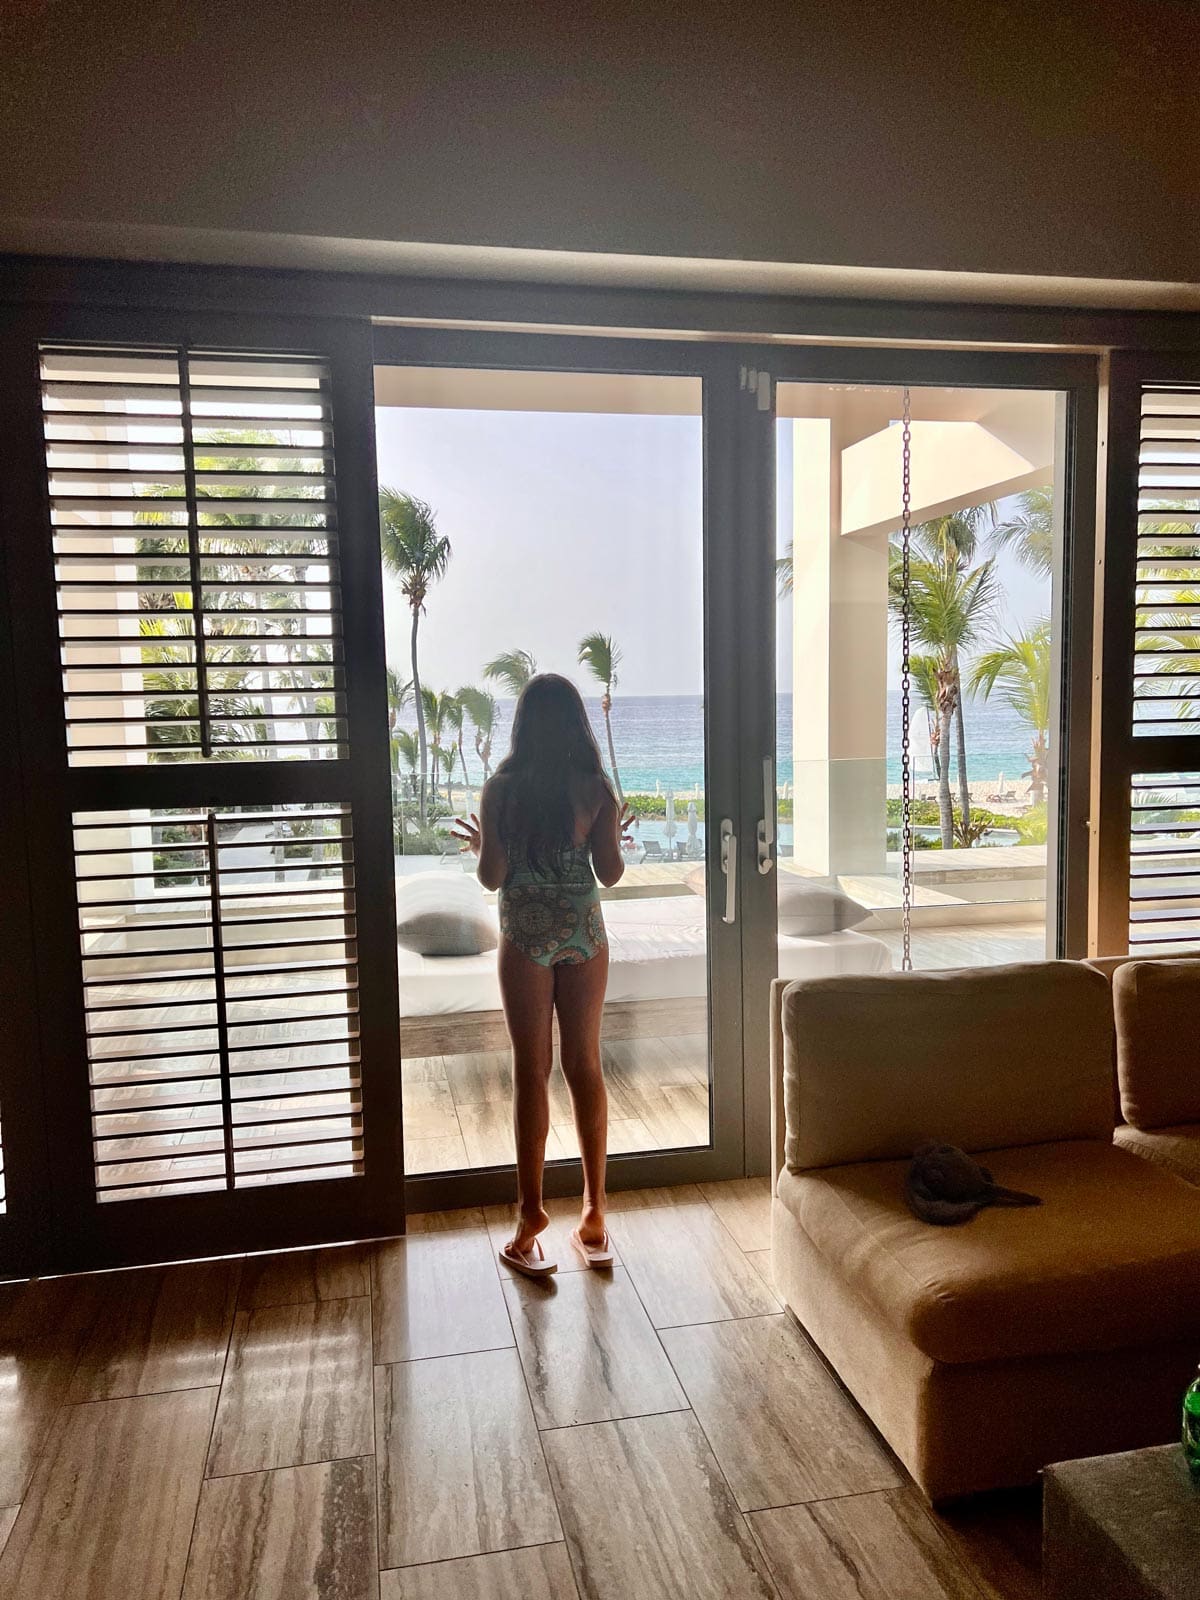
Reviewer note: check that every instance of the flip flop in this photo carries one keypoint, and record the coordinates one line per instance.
(525, 1262)
(594, 1255)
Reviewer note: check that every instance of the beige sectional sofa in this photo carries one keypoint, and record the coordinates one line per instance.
(984, 1351)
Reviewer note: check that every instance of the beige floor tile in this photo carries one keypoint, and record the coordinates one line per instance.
(643, 1065)
(434, 1155)
(341, 1272)
(540, 1572)
(778, 1423)
(109, 1513)
(423, 1069)
(627, 1134)
(487, 1132)
(436, 1291)
(744, 1206)
(429, 1111)
(683, 1194)
(480, 1077)
(588, 1350)
(676, 1116)
(67, 1306)
(556, 1241)
(459, 1461)
(761, 1262)
(35, 1375)
(687, 1268)
(861, 1547)
(297, 1387)
(164, 1328)
(646, 1513)
(299, 1533)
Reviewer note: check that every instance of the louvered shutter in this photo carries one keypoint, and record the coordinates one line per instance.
(1147, 858)
(225, 1049)
(195, 538)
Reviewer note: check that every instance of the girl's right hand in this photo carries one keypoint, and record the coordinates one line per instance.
(624, 824)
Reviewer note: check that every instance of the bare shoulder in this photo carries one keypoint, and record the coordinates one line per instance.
(599, 797)
(493, 790)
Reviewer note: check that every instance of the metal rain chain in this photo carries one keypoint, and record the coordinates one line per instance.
(906, 888)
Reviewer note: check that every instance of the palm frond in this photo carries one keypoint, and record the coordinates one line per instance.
(512, 668)
(601, 656)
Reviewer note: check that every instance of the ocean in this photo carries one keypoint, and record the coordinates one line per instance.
(659, 740)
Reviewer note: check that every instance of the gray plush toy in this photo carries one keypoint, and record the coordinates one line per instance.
(945, 1185)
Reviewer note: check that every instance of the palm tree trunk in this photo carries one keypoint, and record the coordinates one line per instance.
(462, 760)
(945, 801)
(612, 754)
(964, 787)
(422, 742)
(483, 749)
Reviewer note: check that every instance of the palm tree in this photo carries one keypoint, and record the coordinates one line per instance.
(948, 605)
(416, 555)
(601, 657)
(951, 541)
(1020, 668)
(435, 709)
(512, 668)
(456, 714)
(1030, 534)
(405, 748)
(923, 673)
(480, 706)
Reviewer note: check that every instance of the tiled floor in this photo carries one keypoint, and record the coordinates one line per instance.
(408, 1421)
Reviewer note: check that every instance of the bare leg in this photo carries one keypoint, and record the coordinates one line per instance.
(527, 992)
(579, 1000)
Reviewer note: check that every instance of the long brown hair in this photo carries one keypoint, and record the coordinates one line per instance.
(553, 747)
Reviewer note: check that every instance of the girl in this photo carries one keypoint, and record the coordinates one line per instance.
(548, 827)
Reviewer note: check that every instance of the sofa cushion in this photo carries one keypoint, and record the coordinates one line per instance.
(1157, 1007)
(981, 1059)
(1176, 1149)
(1109, 1260)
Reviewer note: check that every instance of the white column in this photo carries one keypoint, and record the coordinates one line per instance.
(839, 673)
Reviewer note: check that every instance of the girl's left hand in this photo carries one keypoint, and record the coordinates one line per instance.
(467, 832)
(624, 824)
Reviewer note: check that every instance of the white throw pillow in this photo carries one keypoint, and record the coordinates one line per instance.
(443, 914)
(809, 907)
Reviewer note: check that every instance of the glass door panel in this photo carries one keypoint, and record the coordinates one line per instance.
(987, 494)
(572, 509)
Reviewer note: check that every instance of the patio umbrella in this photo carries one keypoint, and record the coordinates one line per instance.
(693, 824)
(670, 830)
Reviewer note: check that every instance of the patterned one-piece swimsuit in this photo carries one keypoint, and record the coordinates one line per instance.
(554, 918)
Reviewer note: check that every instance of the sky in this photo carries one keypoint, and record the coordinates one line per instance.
(564, 524)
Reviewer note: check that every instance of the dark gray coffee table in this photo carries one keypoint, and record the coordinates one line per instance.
(1125, 1527)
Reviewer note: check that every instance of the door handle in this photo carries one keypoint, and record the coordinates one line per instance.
(766, 826)
(729, 868)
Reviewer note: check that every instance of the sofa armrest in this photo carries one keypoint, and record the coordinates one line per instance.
(778, 1114)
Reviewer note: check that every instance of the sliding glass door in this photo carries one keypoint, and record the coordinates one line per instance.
(987, 451)
(564, 506)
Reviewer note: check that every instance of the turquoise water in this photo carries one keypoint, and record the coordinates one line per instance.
(660, 739)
